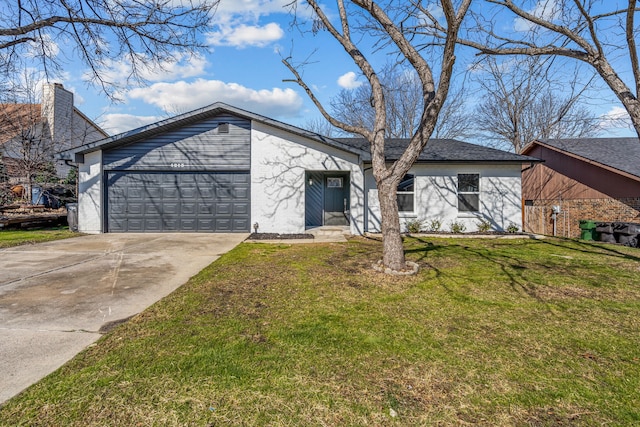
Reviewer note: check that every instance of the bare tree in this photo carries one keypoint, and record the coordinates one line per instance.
(522, 101)
(403, 95)
(371, 16)
(26, 140)
(600, 34)
(321, 126)
(35, 125)
(143, 33)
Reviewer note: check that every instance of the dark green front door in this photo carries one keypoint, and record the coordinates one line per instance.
(336, 199)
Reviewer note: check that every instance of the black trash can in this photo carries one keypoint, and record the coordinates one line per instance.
(72, 216)
(604, 232)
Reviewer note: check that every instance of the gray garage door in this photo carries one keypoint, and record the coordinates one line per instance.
(169, 202)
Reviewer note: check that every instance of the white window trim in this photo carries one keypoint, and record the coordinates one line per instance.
(409, 214)
(468, 214)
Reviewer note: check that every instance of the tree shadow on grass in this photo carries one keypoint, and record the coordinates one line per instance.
(514, 269)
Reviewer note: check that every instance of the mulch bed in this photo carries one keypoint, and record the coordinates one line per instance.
(278, 236)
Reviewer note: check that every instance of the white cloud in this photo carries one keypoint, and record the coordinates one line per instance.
(246, 35)
(349, 81)
(116, 123)
(254, 8)
(545, 9)
(184, 67)
(43, 46)
(615, 118)
(182, 96)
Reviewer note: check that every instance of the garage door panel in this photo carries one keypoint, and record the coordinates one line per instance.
(223, 224)
(206, 224)
(241, 224)
(169, 208)
(134, 208)
(152, 209)
(223, 209)
(240, 209)
(188, 225)
(177, 201)
(152, 224)
(133, 193)
(205, 209)
(241, 193)
(206, 193)
(170, 224)
(134, 224)
(188, 208)
(170, 193)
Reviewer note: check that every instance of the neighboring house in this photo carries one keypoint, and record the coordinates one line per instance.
(223, 169)
(31, 134)
(586, 179)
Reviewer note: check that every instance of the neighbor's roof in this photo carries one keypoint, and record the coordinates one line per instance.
(443, 151)
(196, 116)
(15, 118)
(619, 154)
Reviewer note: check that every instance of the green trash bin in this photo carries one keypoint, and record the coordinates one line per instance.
(587, 229)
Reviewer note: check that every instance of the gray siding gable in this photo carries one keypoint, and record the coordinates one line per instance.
(187, 119)
(196, 146)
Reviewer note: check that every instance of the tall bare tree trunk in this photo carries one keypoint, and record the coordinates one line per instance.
(392, 250)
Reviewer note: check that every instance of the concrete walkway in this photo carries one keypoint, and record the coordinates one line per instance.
(55, 297)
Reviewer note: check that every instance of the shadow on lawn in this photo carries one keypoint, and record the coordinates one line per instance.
(514, 268)
(590, 248)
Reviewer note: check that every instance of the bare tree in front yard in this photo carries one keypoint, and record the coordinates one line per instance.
(386, 20)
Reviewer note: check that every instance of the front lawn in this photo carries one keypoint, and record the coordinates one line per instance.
(491, 332)
(10, 238)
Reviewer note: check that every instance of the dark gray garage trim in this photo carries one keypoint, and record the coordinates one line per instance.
(178, 201)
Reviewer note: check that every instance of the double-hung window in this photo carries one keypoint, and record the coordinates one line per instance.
(468, 192)
(406, 193)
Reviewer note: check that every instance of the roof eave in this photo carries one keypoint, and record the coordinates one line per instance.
(192, 117)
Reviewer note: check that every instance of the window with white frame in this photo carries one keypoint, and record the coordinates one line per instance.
(406, 193)
(468, 192)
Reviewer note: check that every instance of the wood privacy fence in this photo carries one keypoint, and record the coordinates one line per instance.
(539, 220)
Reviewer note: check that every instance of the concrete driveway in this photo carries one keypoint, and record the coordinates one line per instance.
(55, 297)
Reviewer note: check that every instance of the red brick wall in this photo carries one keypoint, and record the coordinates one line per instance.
(538, 217)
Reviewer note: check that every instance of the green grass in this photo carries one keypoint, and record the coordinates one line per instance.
(490, 332)
(10, 238)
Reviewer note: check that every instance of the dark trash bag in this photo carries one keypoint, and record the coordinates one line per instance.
(626, 233)
(604, 231)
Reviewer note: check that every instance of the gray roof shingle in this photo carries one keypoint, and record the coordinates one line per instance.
(619, 153)
(442, 151)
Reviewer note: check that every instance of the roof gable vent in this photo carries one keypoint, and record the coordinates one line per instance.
(223, 128)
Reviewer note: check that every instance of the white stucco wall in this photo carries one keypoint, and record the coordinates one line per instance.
(90, 193)
(278, 164)
(436, 197)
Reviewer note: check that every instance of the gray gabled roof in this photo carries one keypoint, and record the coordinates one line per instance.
(442, 151)
(194, 116)
(622, 154)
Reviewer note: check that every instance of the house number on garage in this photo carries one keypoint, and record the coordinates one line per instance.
(177, 165)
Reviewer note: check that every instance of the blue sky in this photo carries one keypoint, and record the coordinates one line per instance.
(244, 68)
